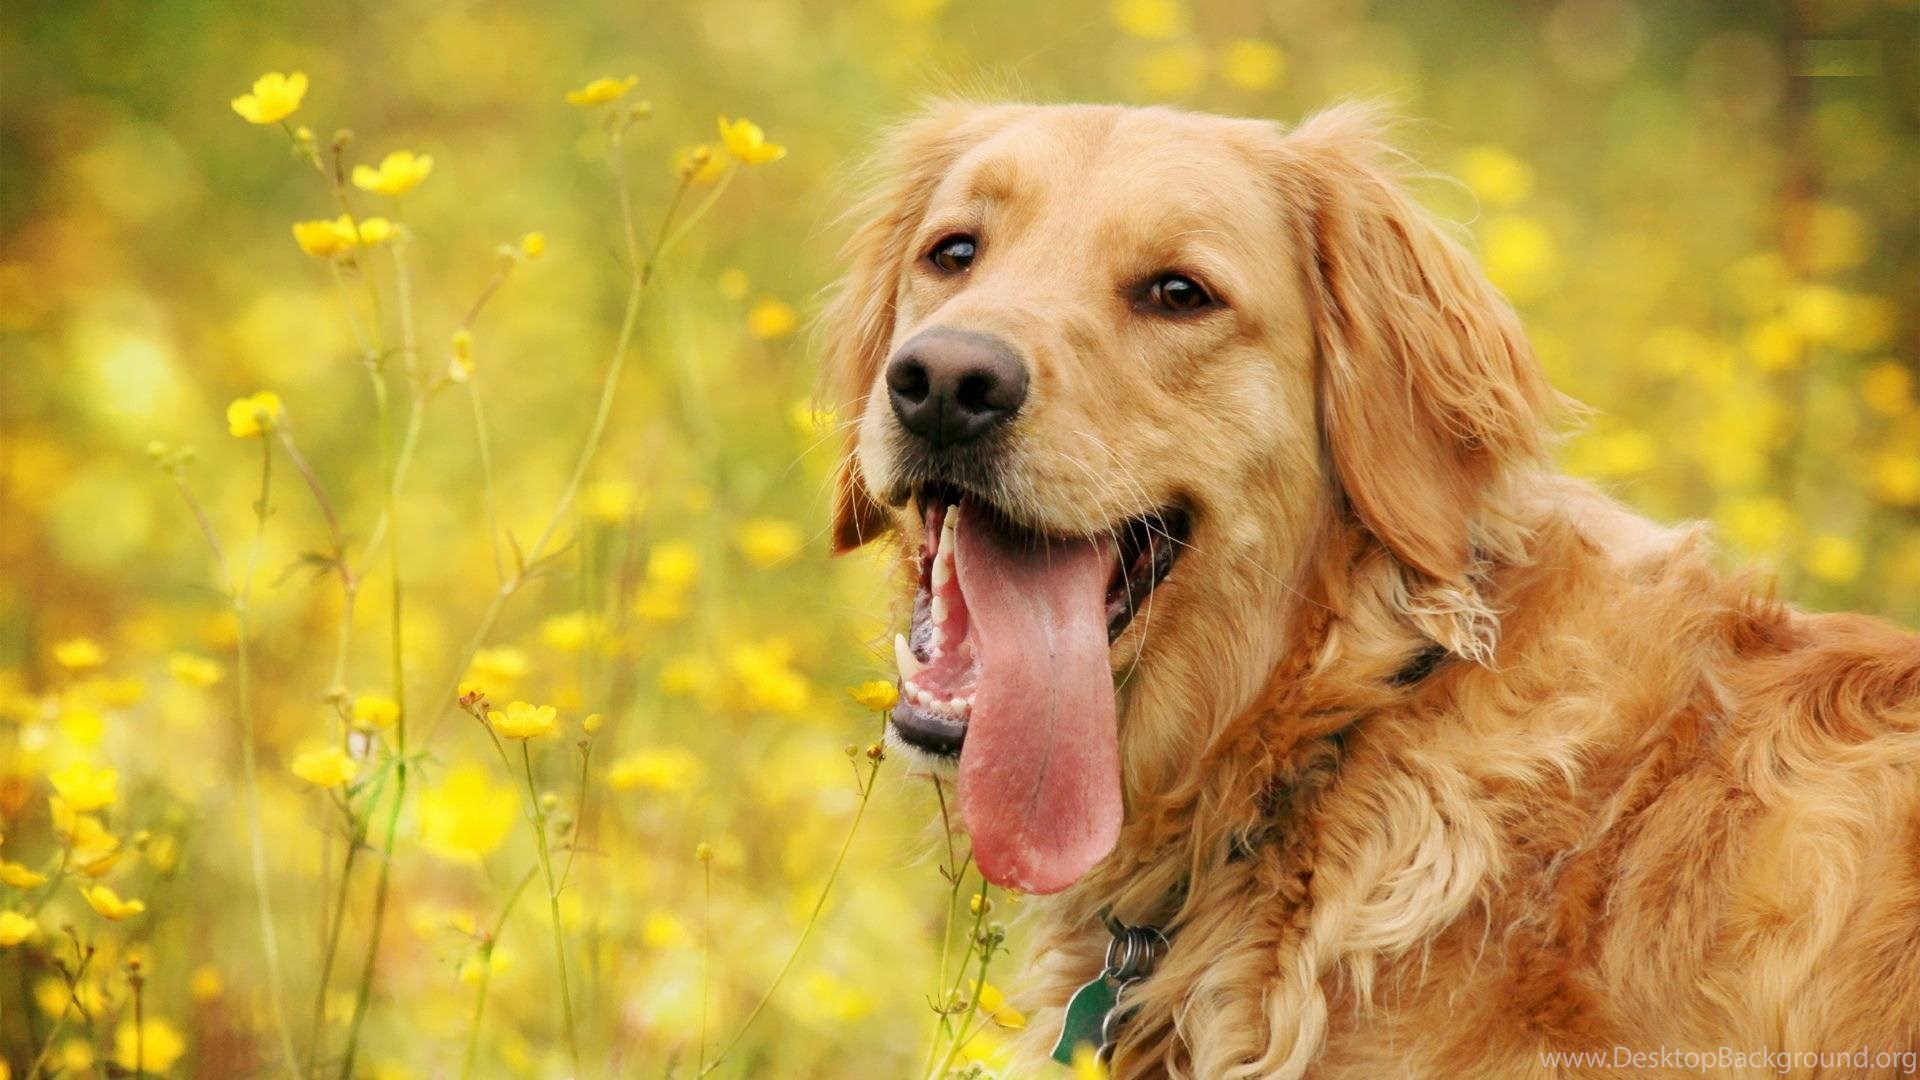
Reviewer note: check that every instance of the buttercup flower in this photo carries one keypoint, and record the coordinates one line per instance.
(523, 720)
(19, 876)
(698, 164)
(252, 417)
(877, 696)
(16, 928)
(108, 905)
(79, 654)
(533, 245)
(326, 768)
(602, 90)
(324, 238)
(371, 712)
(275, 97)
(399, 173)
(745, 140)
(769, 541)
(770, 319)
(153, 1048)
(663, 768)
(994, 1004)
(84, 787)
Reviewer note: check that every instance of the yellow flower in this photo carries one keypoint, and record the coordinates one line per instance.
(567, 633)
(206, 983)
(92, 845)
(523, 720)
(1896, 478)
(499, 667)
(1252, 64)
(194, 670)
(698, 164)
(1086, 1063)
(744, 140)
(1887, 388)
(370, 712)
(399, 173)
(1155, 20)
(591, 725)
(1496, 176)
(661, 930)
(1520, 255)
(703, 851)
(460, 358)
(84, 787)
(994, 1004)
(19, 876)
(467, 814)
(153, 1048)
(533, 245)
(766, 675)
(768, 541)
(324, 238)
(79, 654)
(673, 562)
(321, 238)
(770, 319)
(252, 417)
(602, 90)
(666, 768)
(325, 768)
(107, 904)
(877, 695)
(275, 97)
(1834, 559)
(496, 960)
(609, 502)
(16, 928)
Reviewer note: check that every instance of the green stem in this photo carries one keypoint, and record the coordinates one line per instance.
(486, 971)
(249, 767)
(553, 907)
(973, 1002)
(706, 956)
(355, 841)
(813, 917)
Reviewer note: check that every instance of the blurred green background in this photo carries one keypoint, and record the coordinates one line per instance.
(1705, 212)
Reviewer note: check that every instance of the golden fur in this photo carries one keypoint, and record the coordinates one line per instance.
(1637, 804)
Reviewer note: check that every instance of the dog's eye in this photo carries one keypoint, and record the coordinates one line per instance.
(1177, 292)
(953, 254)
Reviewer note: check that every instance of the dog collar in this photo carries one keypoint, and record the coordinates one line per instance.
(1097, 1009)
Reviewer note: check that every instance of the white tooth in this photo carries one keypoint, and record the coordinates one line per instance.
(942, 565)
(939, 610)
(949, 520)
(939, 639)
(925, 697)
(904, 659)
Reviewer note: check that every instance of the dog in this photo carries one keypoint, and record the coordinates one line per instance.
(1248, 607)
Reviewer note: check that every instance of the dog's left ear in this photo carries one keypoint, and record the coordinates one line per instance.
(1429, 392)
(857, 327)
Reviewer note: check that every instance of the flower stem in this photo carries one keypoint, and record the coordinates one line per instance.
(813, 917)
(486, 971)
(249, 767)
(979, 985)
(553, 906)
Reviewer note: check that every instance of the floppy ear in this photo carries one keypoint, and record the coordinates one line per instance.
(1429, 392)
(858, 324)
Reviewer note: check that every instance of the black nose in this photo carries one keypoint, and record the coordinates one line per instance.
(952, 386)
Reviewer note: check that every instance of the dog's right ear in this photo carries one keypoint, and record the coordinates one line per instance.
(857, 327)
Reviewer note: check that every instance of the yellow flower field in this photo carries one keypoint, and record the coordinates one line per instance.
(419, 653)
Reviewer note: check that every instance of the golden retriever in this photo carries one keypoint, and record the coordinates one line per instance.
(1247, 606)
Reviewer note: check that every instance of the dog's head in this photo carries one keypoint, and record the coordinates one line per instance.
(1108, 371)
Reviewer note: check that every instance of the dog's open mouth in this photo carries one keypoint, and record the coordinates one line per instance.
(1006, 666)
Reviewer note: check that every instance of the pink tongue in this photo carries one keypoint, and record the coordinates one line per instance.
(1040, 768)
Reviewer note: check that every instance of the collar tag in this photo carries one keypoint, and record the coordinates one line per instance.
(1093, 1013)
